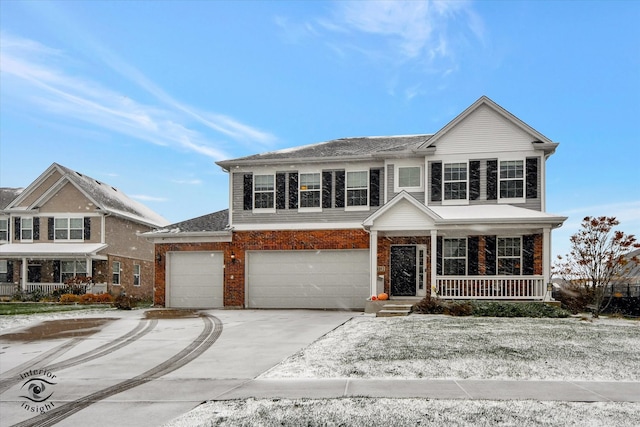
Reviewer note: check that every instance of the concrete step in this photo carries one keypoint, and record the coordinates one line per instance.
(392, 306)
(392, 313)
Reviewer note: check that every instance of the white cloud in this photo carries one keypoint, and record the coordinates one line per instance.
(188, 181)
(146, 198)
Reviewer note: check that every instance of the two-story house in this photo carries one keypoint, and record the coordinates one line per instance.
(460, 213)
(66, 225)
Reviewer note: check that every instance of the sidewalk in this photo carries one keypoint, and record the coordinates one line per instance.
(568, 391)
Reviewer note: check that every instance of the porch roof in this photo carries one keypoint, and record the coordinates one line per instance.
(51, 250)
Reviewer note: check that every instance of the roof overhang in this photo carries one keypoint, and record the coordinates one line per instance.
(52, 250)
(169, 236)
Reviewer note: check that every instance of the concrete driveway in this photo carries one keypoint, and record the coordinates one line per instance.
(138, 371)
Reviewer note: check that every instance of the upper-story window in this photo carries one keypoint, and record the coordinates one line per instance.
(455, 181)
(310, 190)
(509, 255)
(410, 177)
(26, 228)
(511, 179)
(69, 228)
(358, 188)
(263, 192)
(454, 257)
(4, 229)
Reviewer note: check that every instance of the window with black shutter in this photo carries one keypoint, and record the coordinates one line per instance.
(327, 187)
(439, 256)
(490, 255)
(374, 187)
(36, 228)
(16, 228)
(293, 190)
(50, 228)
(492, 180)
(281, 191)
(532, 178)
(436, 182)
(87, 228)
(528, 252)
(339, 196)
(472, 254)
(474, 180)
(248, 192)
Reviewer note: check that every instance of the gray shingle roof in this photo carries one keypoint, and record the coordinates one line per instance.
(216, 221)
(7, 195)
(359, 147)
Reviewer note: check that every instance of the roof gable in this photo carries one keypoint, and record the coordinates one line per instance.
(401, 213)
(486, 127)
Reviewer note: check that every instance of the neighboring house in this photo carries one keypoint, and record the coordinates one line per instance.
(65, 225)
(460, 213)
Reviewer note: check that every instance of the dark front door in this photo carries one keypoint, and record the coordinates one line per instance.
(403, 271)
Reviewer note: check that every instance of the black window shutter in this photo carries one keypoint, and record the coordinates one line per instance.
(293, 190)
(490, 256)
(36, 228)
(8, 229)
(50, 228)
(327, 184)
(56, 271)
(532, 178)
(474, 180)
(281, 191)
(87, 228)
(9, 271)
(472, 243)
(436, 182)
(528, 248)
(248, 192)
(439, 256)
(374, 187)
(16, 227)
(339, 189)
(492, 180)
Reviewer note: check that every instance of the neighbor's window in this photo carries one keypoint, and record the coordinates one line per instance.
(409, 177)
(4, 229)
(26, 228)
(511, 179)
(115, 277)
(263, 192)
(358, 188)
(509, 255)
(136, 274)
(310, 189)
(71, 269)
(4, 271)
(69, 228)
(454, 257)
(455, 181)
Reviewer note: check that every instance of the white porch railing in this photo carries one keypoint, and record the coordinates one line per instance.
(491, 287)
(8, 289)
(46, 288)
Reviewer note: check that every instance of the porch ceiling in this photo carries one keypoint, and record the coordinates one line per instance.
(51, 250)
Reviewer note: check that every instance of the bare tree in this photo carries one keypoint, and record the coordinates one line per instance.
(599, 258)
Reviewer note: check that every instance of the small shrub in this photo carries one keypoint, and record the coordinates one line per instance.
(516, 309)
(574, 298)
(459, 308)
(428, 305)
(69, 299)
(29, 296)
(104, 298)
(69, 289)
(437, 306)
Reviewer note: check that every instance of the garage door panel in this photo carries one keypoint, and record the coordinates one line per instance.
(308, 279)
(195, 280)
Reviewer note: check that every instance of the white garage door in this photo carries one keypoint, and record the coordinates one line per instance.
(308, 279)
(195, 279)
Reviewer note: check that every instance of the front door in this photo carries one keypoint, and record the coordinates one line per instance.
(403, 270)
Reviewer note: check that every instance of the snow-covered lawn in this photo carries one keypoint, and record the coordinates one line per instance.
(446, 347)
(453, 348)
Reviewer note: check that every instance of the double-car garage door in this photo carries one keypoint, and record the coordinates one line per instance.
(307, 279)
(274, 279)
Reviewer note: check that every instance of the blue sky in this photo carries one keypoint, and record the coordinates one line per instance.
(146, 96)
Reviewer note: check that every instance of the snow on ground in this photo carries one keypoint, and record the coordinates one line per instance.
(446, 347)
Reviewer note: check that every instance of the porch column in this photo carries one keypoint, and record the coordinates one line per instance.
(546, 260)
(25, 274)
(434, 260)
(373, 262)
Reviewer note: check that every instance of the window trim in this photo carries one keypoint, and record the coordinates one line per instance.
(523, 179)
(445, 200)
(271, 209)
(318, 191)
(4, 220)
(398, 188)
(68, 229)
(347, 189)
(466, 256)
(113, 273)
(137, 275)
(75, 271)
(519, 257)
(23, 228)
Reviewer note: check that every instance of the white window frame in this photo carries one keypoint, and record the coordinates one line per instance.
(509, 256)
(4, 228)
(68, 229)
(445, 200)
(4, 270)
(523, 179)
(136, 275)
(366, 188)
(314, 190)
(446, 256)
(272, 208)
(398, 187)
(72, 272)
(23, 229)
(114, 273)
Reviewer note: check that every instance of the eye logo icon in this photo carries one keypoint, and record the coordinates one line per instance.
(37, 389)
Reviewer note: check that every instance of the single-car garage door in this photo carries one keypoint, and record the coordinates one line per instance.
(308, 279)
(195, 279)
